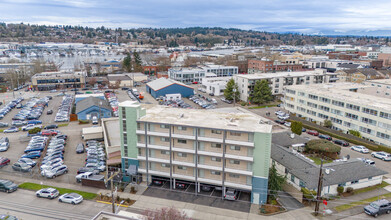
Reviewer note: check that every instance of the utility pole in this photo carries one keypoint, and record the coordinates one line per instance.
(111, 188)
(234, 91)
(320, 186)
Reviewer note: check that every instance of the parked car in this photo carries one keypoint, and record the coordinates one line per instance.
(48, 132)
(367, 161)
(8, 186)
(313, 132)
(51, 127)
(21, 167)
(72, 198)
(231, 194)
(288, 124)
(4, 146)
(87, 169)
(32, 155)
(279, 121)
(4, 161)
(11, 130)
(206, 188)
(180, 185)
(49, 193)
(381, 155)
(27, 161)
(283, 117)
(360, 149)
(49, 112)
(378, 207)
(57, 171)
(95, 120)
(341, 142)
(3, 124)
(80, 148)
(327, 137)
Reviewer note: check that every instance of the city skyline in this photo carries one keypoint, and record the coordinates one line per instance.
(308, 17)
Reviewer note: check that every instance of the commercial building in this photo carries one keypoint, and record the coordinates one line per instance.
(190, 75)
(266, 65)
(225, 150)
(163, 86)
(215, 85)
(349, 106)
(92, 106)
(358, 75)
(302, 172)
(278, 81)
(58, 80)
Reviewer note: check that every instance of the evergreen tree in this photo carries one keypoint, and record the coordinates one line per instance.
(127, 63)
(262, 93)
(229, 93)
(275, 181)
(137, 62)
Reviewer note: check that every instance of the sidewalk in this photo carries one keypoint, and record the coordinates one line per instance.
(346, 200)
(194, 211)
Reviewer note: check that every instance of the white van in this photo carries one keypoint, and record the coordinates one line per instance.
(94, 120)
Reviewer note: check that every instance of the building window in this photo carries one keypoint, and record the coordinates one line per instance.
(338, 103)
(369, 178)
(354, 182)
(325, 100)
(353, 107)
(342, 184)
(385, 115)
(233, 147)
(314, 97)
(182, 168)
(216, 132)
(286, 171)
(302, 184)
(216, 145)
(369, 111)
(165, 165)
(215, 173)
(181, 128)
(166, 152)
(368, 121)
(217, 159)
(138, 126)
(235, 133)
(292, 178)
(165, 139)
(124, 126)
(182, 154)
(182, 141)
(234, 175)
(165, 126)
(351, 116)
(123, 113)
(237, 162)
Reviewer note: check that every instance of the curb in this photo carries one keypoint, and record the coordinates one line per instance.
(109, 203)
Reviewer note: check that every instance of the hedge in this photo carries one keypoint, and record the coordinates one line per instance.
(373, 147)
(308, 194)
(320, 145)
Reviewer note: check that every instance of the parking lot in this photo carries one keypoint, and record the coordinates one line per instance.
(19, 141)
(212, 198)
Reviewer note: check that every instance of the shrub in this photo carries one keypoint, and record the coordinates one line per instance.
(297, 127)
(243, 103)
(83, 122)
(340, 189)
(349, 190)
(319, 145)
(34, 130)
(308, 194)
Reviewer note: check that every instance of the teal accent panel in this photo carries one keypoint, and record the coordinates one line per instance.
(261, 164)
(259, 190)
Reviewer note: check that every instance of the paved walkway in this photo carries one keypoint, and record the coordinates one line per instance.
(288, 201)
(345, 200)
(194, 211)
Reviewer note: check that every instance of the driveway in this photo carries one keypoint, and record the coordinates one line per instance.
(288, 201)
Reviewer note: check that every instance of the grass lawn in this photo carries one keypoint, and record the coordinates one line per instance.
(35, 187)
(317, 160)
(262, 106)
(361, 202)
(366, 189)
(63, 125)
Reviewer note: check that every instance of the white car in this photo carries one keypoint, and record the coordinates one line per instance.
(382, 155)
(30, 127)
(288, 124)
(83, 175)
(360, 149)
(367, 161)
(50, 165)
(279, 112)
(283, 117)
(49, 193)
(72, 198)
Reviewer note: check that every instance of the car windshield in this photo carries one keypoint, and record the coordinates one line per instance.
(230, 193)
(373, 205)
(8, 183)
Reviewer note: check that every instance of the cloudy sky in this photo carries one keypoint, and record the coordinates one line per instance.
(305, 16)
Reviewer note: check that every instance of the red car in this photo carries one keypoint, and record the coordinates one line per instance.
(48, 133)
(4, 161)
(195, 82)
(312, 132)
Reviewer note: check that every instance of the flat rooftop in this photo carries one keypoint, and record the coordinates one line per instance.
(282, 74)
(365, 95)
(58, 74)
(113, 132)
(219, 119)
(379, 81)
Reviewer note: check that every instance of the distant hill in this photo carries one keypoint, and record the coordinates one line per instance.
(171, 37)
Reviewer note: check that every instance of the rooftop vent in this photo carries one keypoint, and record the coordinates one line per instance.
(181, 115)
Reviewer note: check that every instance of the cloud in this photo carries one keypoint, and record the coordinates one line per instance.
(306, 16)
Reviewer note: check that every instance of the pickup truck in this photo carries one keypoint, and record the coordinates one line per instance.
(89, 175)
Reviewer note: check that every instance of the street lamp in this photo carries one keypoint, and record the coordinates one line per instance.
(117, 208)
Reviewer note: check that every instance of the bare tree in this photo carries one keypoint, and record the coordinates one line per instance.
(165, 213)
(92, 81)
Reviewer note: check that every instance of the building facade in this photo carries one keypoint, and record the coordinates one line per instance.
(218, 149)
(265, 65)
(58, 80)
(215, 85)
(190, 75)
(278, 81)
(349, 106)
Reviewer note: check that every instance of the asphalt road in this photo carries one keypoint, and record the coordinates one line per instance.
(25, 205)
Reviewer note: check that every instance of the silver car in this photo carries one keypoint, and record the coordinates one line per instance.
(72, 198)
(231, 194)
(49, 193)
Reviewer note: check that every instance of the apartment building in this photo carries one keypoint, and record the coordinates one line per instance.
(225, 150)
(266, 65)
(58, 80)
(350, 106)
(278, 81)
(190, 75)
(215, 85)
